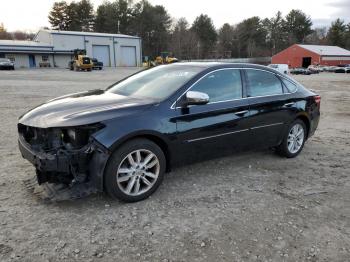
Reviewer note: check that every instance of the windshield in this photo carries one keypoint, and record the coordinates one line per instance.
(4, 60)
(157, 83)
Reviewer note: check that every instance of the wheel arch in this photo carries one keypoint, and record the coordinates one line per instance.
(152, 136)
(306, 121)
(145, 135)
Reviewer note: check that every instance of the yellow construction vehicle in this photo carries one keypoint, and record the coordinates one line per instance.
(165, 58)
(81, 61)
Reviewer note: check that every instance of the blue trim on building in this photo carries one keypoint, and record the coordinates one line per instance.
(140, 47)
(115, 59)
(26, 51)
(64, 51)
(33, 46)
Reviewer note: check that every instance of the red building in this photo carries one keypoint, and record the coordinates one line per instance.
(305, 55)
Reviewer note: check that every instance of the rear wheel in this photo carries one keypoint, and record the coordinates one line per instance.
(135, 170)
(294, 139)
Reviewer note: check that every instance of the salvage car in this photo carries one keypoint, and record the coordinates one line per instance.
(283, 68)
(123, 140)
(6, 64)
(342, 69)
(300, 71)
(96, 64)
(314, 69)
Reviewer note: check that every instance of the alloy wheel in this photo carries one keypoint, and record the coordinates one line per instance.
(138, 172)
(295, 138)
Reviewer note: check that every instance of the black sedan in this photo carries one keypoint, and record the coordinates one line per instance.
(123, 139)
(96, 64)
(6, 64)
(342, 70)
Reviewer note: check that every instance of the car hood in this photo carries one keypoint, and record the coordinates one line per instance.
(82, 109)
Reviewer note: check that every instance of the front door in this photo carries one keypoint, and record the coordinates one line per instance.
(270, 107)
(32, 61)
(219, 126)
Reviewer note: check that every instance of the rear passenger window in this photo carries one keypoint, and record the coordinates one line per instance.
(221, 85)
(262, 83)
(290, 86)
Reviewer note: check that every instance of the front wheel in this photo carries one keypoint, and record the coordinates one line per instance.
(294, 139)
(135, 170)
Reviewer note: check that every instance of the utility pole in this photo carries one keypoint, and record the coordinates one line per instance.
(118, 26)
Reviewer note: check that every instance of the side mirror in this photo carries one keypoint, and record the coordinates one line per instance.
(195, 98)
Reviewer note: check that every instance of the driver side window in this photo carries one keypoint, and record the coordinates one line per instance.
(221, 85)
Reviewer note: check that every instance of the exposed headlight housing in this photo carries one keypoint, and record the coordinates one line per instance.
(71, 133)
(78, 137)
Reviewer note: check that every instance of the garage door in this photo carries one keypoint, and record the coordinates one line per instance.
(101, 52)
(128, 56)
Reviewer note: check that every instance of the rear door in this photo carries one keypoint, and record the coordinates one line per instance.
(218, 125)
(271, 108)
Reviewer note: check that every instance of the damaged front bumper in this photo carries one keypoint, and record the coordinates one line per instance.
(77, 172)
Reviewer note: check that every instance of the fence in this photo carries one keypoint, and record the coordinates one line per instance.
(252, 60)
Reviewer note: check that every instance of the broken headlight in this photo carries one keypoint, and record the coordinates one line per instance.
(48, 139)
(71, 134)
(77, 137)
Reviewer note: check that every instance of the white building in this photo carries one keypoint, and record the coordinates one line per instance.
(55, 48)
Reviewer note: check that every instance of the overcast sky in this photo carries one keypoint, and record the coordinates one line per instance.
(32, 14)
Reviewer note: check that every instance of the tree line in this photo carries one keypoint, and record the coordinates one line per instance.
(17, 35)
(252, 37)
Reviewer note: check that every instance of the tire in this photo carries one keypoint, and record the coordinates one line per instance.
(285, 148)
(130, 183)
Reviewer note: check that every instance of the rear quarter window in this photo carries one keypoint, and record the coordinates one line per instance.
(291, 87)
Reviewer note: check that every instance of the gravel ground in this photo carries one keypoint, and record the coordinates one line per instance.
(254, 206)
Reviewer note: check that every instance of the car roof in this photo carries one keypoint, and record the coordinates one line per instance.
(218, 65)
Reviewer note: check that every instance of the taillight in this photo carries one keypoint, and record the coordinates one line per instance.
(317, 100)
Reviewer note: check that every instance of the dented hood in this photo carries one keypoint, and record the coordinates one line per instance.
(82, 109)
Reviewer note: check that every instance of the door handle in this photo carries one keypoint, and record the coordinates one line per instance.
(240, 113)
(289, 104)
